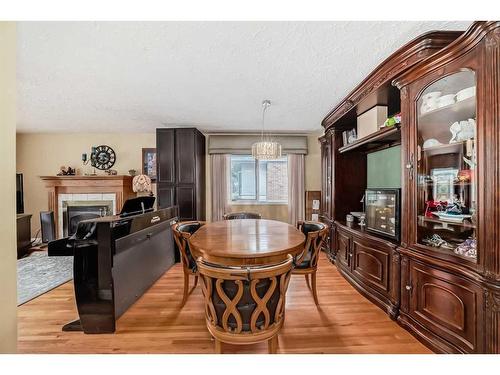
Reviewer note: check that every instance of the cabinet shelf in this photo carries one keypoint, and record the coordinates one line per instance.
(448, 148)
(385, 136)
(445, 223)
(436, 123)
(454, 183)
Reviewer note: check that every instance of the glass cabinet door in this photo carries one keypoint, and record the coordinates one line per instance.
(446, 165)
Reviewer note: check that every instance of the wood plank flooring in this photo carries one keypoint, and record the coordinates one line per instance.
(345, 322)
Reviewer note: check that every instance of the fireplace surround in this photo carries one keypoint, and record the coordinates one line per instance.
(106, 191)
(75, 211)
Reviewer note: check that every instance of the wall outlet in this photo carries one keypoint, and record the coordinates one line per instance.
(315, 204)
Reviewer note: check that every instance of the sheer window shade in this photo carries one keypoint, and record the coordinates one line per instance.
(241, 144)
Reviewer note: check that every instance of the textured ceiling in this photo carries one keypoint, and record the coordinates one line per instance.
(138, 76)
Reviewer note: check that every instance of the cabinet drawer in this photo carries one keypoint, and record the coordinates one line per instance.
(371, 264)
(447, 305)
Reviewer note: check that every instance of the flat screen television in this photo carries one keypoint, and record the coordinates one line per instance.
(19, 193)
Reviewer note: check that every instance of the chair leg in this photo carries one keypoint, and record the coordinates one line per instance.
(315, 292)
(272, 344)
(218, 346)
(195, 280)
(307, 280)
(186, 288)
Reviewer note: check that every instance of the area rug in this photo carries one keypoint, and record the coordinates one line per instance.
(39, 273)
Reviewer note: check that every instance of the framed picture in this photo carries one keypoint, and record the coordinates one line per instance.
(149, 163)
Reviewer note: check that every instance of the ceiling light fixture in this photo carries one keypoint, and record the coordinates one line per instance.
(266, 149)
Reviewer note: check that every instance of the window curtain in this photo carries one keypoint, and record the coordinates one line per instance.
(219, 164)
(296, 188)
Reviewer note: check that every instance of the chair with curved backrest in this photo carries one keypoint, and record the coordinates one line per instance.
(182, 231)
(245, 305)
(307, 263)
(241, 215)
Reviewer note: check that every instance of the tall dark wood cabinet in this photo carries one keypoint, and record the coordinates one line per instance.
(181, 171)
(451, 290)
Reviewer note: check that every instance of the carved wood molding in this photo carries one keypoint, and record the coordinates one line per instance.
(492, 149)
(402, 59)
(492, 301)
(493, 39)
(492, 329)
(460, 46)
(404, 93)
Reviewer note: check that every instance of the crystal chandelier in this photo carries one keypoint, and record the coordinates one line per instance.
(266, 149)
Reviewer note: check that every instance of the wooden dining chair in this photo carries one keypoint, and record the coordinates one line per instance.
(245, 305)
(307, 262)
(241, 215)
(182, 231)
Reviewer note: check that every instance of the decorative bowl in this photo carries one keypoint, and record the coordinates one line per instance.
(431, 142)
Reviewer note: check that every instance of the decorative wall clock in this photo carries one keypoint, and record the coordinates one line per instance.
(104, 157)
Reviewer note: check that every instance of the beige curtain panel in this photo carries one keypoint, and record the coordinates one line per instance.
(296, 188)
(219, 164)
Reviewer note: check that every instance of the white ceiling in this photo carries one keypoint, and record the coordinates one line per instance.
(138, 76)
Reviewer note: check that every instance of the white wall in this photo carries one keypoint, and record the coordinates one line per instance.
(8, 251)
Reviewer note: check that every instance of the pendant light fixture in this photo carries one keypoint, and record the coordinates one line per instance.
(266, 149)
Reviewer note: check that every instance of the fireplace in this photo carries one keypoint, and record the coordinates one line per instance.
(74, 208)
(99, 190)
(76, 211)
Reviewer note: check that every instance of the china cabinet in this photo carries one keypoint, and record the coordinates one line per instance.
(440, 278)
(450, 233)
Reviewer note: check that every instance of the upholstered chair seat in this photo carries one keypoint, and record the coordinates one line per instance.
(182, 231)
(241, 215)
(245, 305)
(305, 261)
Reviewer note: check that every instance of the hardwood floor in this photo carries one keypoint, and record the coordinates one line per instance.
(345, 322)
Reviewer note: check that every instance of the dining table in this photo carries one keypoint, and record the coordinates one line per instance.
(246, 242)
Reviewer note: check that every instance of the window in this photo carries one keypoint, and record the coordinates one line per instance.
(263, 181)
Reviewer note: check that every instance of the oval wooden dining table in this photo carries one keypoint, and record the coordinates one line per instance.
(246, 242)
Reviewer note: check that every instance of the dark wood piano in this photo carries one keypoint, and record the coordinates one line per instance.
(116, 259)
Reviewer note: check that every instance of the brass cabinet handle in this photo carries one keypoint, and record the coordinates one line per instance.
(409, 166)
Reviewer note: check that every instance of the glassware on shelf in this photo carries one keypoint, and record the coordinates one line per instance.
(446, 165)
(468, 248)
